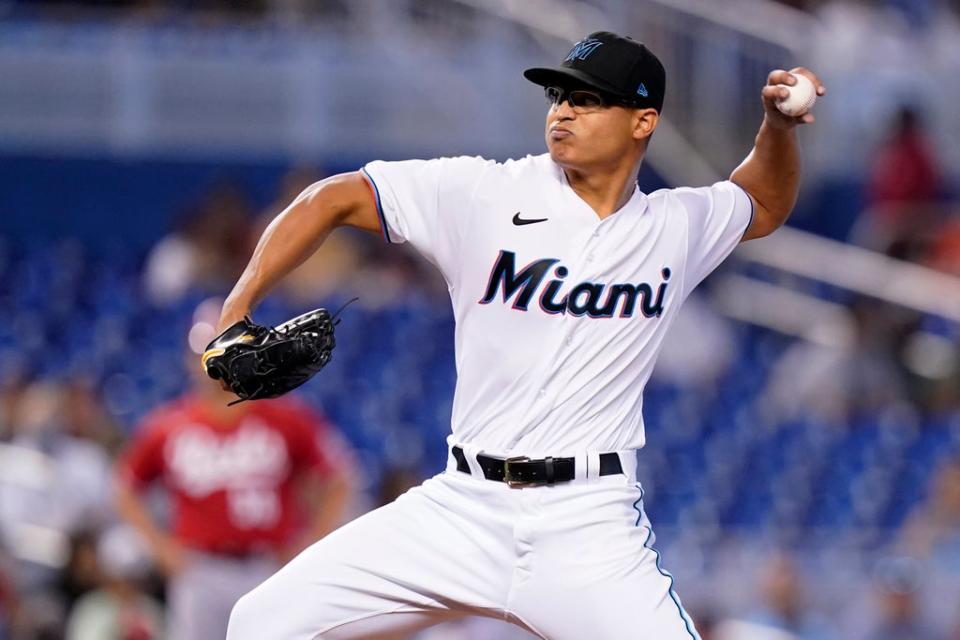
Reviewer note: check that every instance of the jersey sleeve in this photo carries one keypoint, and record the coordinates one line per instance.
(718, 216)
(141, 462)
(426, 203)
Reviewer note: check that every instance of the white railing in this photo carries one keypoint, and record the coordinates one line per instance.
(856, 269)
(313, 91)
(769, 22)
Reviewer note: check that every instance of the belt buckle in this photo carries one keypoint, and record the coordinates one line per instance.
(512, 482)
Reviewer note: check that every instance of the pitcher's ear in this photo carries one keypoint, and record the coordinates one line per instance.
(645, 121)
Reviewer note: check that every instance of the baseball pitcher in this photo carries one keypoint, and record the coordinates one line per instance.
(564, 278)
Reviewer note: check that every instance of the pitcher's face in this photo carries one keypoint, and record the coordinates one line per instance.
(585, 128)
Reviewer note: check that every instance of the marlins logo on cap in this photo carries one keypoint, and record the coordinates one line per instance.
(613, 64)
(583, 49)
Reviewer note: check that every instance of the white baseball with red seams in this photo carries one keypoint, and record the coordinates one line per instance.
(802, 96)
(559, 316)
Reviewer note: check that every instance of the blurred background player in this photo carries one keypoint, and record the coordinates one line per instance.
(781, 610)
(251, 485)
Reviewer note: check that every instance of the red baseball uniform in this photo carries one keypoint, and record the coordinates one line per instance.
(232, 483)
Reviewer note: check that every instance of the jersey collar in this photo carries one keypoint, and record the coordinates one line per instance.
(635, 205)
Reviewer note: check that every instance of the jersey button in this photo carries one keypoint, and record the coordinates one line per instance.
(589, 257)
(568, 340)
(543, 392)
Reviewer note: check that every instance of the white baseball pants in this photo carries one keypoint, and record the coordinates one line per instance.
(569, 561)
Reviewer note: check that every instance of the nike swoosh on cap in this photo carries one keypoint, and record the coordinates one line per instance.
(517, 220)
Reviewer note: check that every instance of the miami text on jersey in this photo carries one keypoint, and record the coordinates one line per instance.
(593, 299)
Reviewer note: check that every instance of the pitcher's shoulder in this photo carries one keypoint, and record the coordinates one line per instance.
(529, 166)
(524, 168)
(672, 198)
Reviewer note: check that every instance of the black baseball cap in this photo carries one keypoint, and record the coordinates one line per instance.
(612, 64)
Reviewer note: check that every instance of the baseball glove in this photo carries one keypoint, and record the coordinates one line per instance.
(258, 362)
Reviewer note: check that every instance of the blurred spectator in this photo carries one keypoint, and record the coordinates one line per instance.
(38, 617)
(52, 486)
(904, 171)
(784, 612)
(207, 253)
(944, 251)
(10, 390)
(118, 610)
(898, 582)
(235, 474)
(85, 416)
(49, 480)
(902, 190)
(932, 533)
(785, 604)
(864, 375)
(81, 573)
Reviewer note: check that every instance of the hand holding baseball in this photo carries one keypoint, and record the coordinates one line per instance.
(789, 96)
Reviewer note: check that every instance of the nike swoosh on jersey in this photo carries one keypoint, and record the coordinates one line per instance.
(517, 220)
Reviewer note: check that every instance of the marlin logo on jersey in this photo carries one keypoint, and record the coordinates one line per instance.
(593, 299)
(583, 49)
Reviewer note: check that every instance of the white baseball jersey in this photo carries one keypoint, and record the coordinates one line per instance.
(559, 314)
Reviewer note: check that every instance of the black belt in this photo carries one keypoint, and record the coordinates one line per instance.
(522, 471)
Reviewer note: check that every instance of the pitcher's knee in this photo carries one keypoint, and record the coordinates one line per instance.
(273, 611)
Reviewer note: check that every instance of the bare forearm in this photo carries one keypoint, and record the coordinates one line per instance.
(296, 233)
(771, 172)
(286, 242)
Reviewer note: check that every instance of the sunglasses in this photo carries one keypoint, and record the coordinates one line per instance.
(579, 99)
